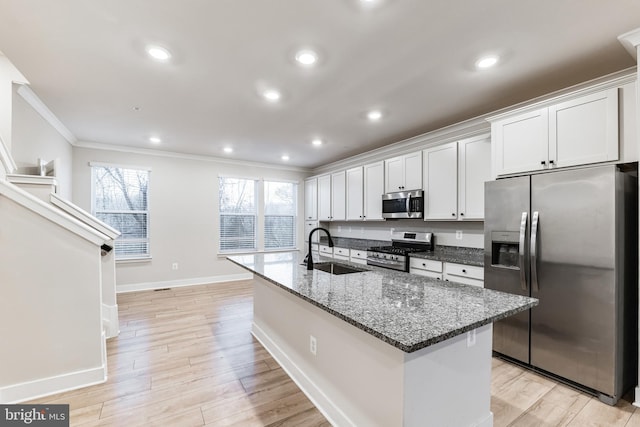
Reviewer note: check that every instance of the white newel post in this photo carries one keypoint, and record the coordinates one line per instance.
(631, 41)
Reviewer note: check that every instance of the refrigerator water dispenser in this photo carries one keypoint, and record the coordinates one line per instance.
(505, 246)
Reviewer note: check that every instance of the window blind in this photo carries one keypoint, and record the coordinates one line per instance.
(237, 204)
(120, 198)
(280, 215)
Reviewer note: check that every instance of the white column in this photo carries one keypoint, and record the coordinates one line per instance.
(8, 75)
(631, 42)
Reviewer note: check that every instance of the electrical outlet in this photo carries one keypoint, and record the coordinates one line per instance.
(174, 266)
(313, 344)
(471, 338)
(458, 234)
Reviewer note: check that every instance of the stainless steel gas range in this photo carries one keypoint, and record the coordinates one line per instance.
(403, 243)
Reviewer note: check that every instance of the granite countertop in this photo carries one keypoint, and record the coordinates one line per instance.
(468, 256)
(407, 311)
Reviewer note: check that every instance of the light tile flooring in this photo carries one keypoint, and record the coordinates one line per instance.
(185, 357)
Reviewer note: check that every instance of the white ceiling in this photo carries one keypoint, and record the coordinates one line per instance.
(413, 59)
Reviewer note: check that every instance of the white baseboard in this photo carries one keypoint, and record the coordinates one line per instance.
(110, 321)
(134, 287)
(43, 387)
(325, 405)
(636, 402)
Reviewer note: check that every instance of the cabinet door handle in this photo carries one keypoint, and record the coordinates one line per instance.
(461, 214)
(424, 265)
(551, 162)
(464, 271)
(543, 162)
(453, 214)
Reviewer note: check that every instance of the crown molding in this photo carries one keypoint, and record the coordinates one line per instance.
(631, 41)
(475, 126)
(184, 156)
(36, 103)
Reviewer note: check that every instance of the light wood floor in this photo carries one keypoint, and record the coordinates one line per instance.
(186, 357)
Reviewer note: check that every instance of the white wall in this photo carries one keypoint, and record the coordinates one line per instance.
(34, 138)
(50, 320)
(183, 202)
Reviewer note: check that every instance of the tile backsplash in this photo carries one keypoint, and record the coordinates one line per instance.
(447, 233)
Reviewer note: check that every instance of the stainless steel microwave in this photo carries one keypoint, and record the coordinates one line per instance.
(403, 204)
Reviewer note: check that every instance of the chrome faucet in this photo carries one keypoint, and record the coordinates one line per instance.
(309, 257)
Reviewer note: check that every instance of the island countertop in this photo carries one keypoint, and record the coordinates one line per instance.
(406, 311)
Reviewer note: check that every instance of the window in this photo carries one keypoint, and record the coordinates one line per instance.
(246, 226)
(237, 214)
(120, 199)
(279, 215)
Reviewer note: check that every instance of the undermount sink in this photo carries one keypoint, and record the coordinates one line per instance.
(336, 268)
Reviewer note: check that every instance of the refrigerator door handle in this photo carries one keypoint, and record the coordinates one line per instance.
(523, 235)
(534, 250)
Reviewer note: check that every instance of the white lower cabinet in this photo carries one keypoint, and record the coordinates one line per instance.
(425, 267)
(358, 256)
(449, 271)
(341, 253)
(461, 273)
(326, 251)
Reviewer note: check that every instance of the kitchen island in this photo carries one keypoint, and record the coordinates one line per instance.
(379, 347)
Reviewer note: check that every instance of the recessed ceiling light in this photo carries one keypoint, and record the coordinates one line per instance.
(487, 62)
(374, 115)
(155, 140)
(317, 142)
(285, 157)
(228, 150)
(158, 53)
(271, 95)
(306, 57)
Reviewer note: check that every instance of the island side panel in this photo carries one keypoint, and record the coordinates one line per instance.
(354, 379)
(449, 383)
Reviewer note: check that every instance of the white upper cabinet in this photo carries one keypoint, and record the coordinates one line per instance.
(474, 169)
(455, 174)
(373, 190)
(324, 198)
(365, 186)
(403, 172)
(311, 199)
(355, 193)
(521, 142)
(578, 131)
(584, 130)
(441, 182)
(338, 196)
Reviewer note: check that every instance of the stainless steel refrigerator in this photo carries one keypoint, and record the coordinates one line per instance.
(568, 238)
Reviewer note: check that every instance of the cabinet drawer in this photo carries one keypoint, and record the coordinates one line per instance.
(426, 273)
(326, 250)
(462, 270)
(358, 254)
(340, 251)
(464, 280)
(425, 264)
